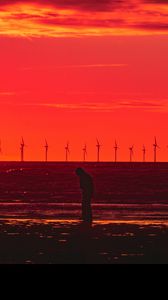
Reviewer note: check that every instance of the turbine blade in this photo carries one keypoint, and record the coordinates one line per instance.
(156, 142)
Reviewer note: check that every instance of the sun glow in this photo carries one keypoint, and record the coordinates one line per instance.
(37, 20)
(77, 70)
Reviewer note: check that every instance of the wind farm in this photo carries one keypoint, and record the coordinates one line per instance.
(83, 140)
(100, 154)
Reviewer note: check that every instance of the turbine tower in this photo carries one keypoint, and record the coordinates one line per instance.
(67, 151)
(22, 146)
(116, 150)
(98, 150)
(144, 153)
(46, 150)
(155, 146)
(131, 153)
(0, 147)
(84, 152)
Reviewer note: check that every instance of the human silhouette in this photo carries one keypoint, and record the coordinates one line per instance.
(86, 185)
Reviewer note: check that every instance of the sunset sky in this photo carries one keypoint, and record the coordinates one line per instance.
(78, 70)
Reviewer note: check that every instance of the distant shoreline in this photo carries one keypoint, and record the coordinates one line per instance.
(85, 163)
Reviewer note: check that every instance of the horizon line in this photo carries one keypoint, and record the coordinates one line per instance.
(81, 162)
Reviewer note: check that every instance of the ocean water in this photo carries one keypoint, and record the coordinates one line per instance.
(123, 191)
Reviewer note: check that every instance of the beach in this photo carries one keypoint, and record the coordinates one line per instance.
(72, 242)
(40, 214)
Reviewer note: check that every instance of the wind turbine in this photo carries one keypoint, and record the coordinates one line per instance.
(131, 153)
(46, 150)
(22, 146)
(67, 151)
(155, 145)
(144, 153)
(98, 150)
(116, 150)
(84, 152)
(0, 147)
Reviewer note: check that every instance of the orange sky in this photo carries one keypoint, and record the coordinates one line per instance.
(80, 70)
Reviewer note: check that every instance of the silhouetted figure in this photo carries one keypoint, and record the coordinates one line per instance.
(86, 185)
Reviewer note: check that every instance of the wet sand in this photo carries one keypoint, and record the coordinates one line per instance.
(40, 204)
(40, 241)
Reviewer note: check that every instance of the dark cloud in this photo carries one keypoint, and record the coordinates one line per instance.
(131, 14)
(91, 5)
(152, 26)
(156, 1)
(82, 22)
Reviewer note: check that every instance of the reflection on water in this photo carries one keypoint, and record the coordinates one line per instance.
(67, 223)
(101, 212)
(70, 241)
(132, 254)
(28, 262)
(40, 214)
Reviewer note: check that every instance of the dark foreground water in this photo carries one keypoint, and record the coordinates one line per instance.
(122, 191)
(40, 208)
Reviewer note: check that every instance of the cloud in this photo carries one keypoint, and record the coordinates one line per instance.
(153, 26)
(95, 66)
(89, 5)
(156, 1)
(60, 18)
(2, 93)
(106, 107)
(86, 66)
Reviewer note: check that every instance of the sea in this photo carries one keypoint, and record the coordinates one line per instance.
(122, 191)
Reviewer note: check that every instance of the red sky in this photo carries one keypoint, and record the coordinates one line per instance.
(80, 70)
